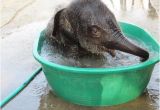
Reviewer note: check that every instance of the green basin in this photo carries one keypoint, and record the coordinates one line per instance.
(101, 86)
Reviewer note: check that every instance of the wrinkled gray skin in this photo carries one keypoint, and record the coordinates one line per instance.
(88, 26)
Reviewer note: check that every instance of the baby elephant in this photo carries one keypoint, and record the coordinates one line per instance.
(88, 26)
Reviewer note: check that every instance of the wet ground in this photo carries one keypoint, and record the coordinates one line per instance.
(21, 22)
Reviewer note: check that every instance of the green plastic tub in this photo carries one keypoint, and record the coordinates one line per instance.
(100, 86)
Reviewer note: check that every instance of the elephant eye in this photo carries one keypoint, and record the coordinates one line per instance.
(94, 31)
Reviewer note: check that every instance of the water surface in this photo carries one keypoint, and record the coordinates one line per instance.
(105, 60)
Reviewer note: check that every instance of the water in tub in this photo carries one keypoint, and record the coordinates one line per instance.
(99, 61)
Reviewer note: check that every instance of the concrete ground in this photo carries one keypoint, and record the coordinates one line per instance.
(21, 21)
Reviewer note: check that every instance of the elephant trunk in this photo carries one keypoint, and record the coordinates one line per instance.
(123, 44)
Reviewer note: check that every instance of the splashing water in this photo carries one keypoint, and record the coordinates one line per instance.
(99, 61)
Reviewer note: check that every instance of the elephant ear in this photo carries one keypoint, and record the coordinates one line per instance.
(57, 19)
